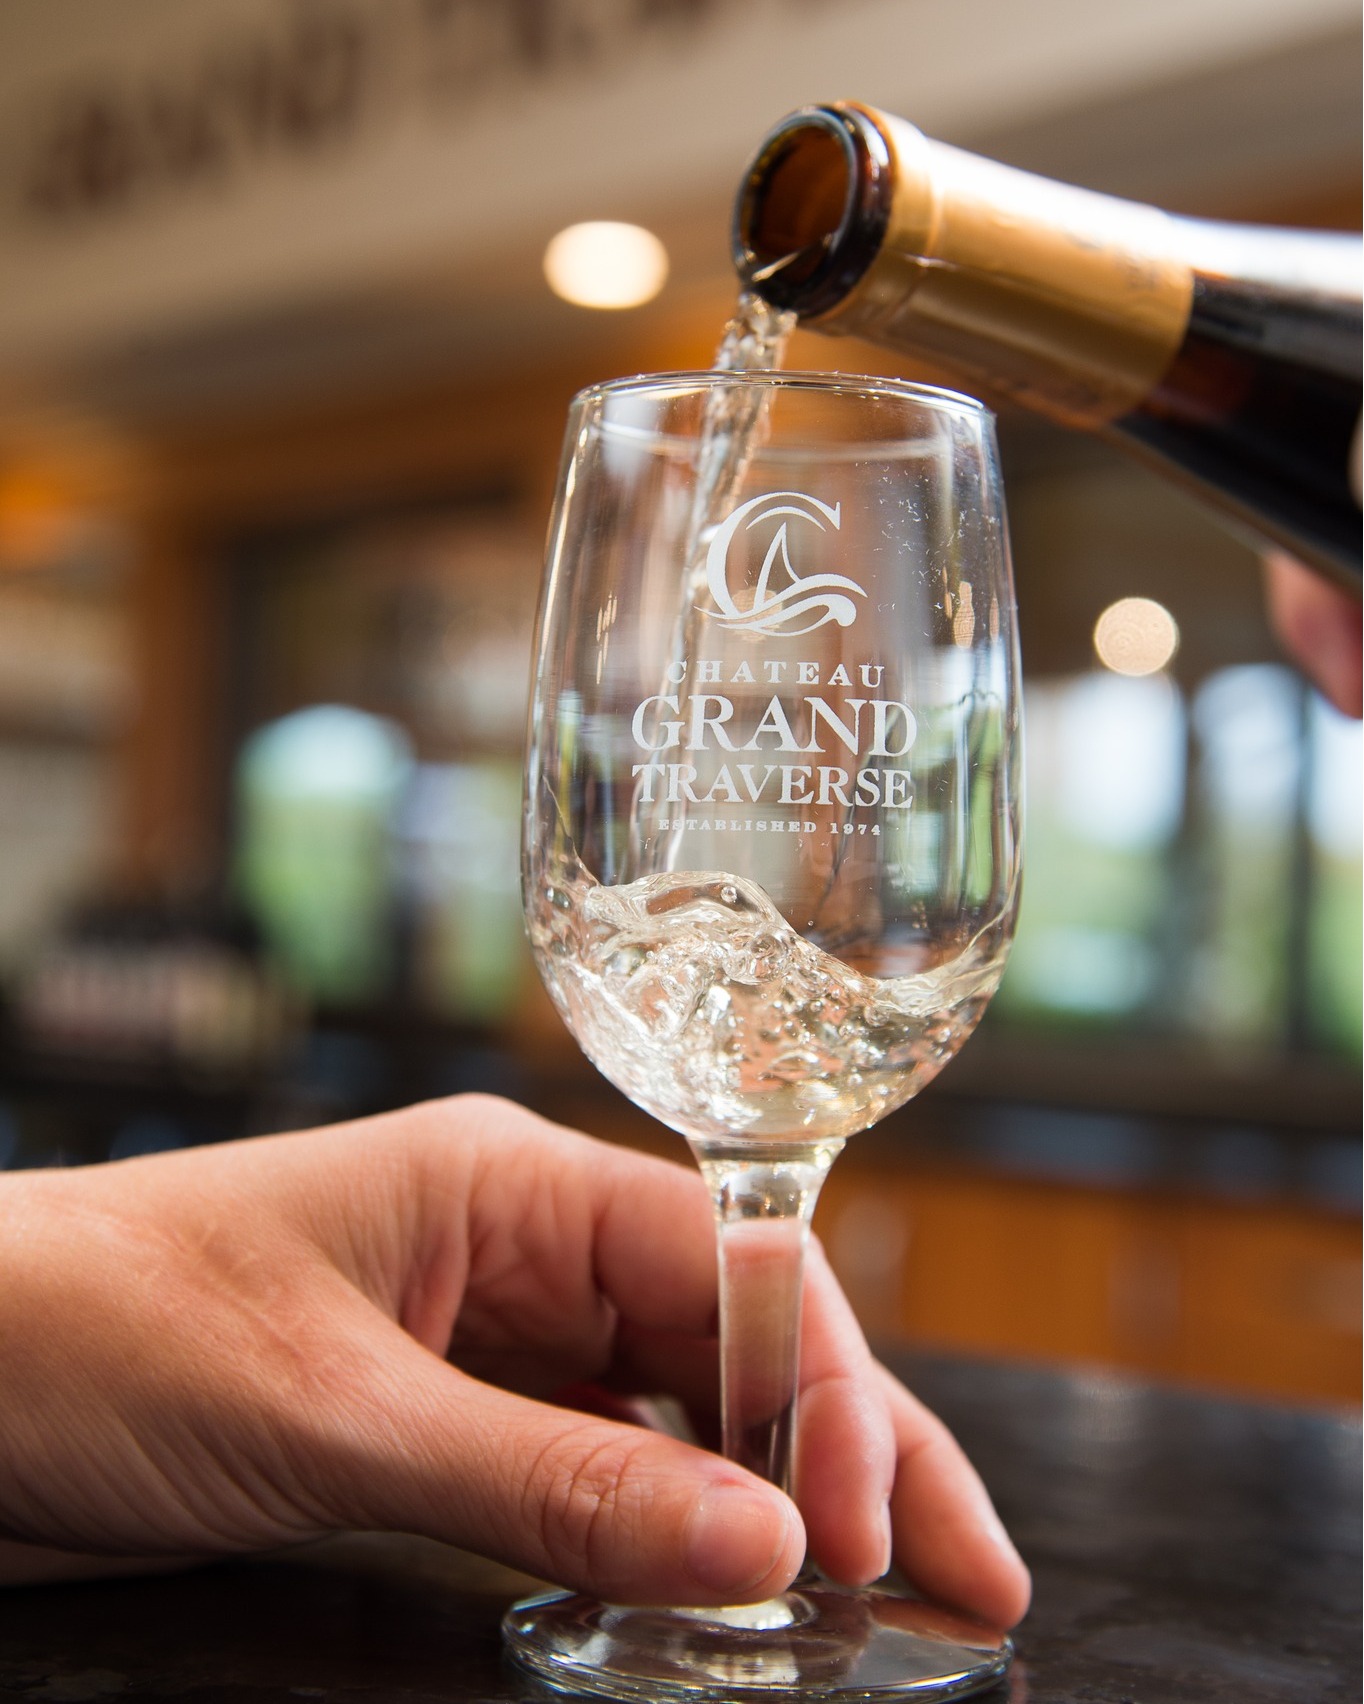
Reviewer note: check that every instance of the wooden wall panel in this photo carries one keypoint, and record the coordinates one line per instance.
(1260, 1298)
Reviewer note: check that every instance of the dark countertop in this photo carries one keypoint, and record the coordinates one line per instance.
(1184, 1551)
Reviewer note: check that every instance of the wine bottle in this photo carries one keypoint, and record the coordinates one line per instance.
(1229, 355)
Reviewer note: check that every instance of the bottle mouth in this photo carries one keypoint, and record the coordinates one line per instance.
(812, 209)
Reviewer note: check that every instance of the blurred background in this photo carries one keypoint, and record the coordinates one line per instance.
(282, 382)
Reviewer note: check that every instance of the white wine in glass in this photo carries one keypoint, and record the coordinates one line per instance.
(771, 869)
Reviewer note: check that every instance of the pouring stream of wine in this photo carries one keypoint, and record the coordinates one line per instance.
(732, 429)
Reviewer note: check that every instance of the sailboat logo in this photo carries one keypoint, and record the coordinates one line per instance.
(783, 603)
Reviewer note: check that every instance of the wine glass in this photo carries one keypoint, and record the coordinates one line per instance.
(771, 868)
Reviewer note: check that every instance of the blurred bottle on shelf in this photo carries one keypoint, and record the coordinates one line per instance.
(182, 990)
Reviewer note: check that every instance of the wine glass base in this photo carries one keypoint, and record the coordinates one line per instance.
(816, 1642)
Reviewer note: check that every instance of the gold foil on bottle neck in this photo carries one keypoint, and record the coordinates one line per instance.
(1069, 302)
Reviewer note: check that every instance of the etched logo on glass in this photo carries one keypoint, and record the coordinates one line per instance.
(783, 603)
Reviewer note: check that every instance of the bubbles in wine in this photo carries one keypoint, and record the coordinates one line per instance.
(756, 337)
(693, 994)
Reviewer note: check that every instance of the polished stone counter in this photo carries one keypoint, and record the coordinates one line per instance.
(1184, 1551)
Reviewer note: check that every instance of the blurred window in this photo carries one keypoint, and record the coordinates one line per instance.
(317, 794)
(1335, 818)
(1249, 754)
(461, 853)
(1105, 759)
(383, 669)
(1191, 868)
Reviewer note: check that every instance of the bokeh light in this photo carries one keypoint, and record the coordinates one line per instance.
(1136, 636)
(605, 264)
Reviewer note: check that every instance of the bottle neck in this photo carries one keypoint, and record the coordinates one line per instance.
(814, 208)
(1069, 302)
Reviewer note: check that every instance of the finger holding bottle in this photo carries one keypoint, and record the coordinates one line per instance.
(1320, 628)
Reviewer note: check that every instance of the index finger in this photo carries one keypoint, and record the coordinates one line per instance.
(563, 1236)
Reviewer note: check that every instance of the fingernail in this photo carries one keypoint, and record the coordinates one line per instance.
(729, 1545)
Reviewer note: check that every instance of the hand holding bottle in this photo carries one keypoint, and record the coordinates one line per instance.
(1320, 628)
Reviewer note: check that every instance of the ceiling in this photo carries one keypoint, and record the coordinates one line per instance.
(408, 247)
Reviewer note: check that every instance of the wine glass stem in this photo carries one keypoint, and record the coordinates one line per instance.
(763, 1210)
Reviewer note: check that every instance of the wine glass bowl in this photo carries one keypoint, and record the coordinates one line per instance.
(770, 867)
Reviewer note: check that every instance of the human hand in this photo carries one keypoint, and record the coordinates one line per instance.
(1320, 627)
(234, 1348)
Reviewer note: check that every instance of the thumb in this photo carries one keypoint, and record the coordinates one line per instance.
(616, 1511)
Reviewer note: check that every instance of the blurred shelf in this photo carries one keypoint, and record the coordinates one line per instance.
(1255, 1295)
(1163, 1079)
(44, 727)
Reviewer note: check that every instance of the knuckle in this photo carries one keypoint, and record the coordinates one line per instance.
(586, 1503)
